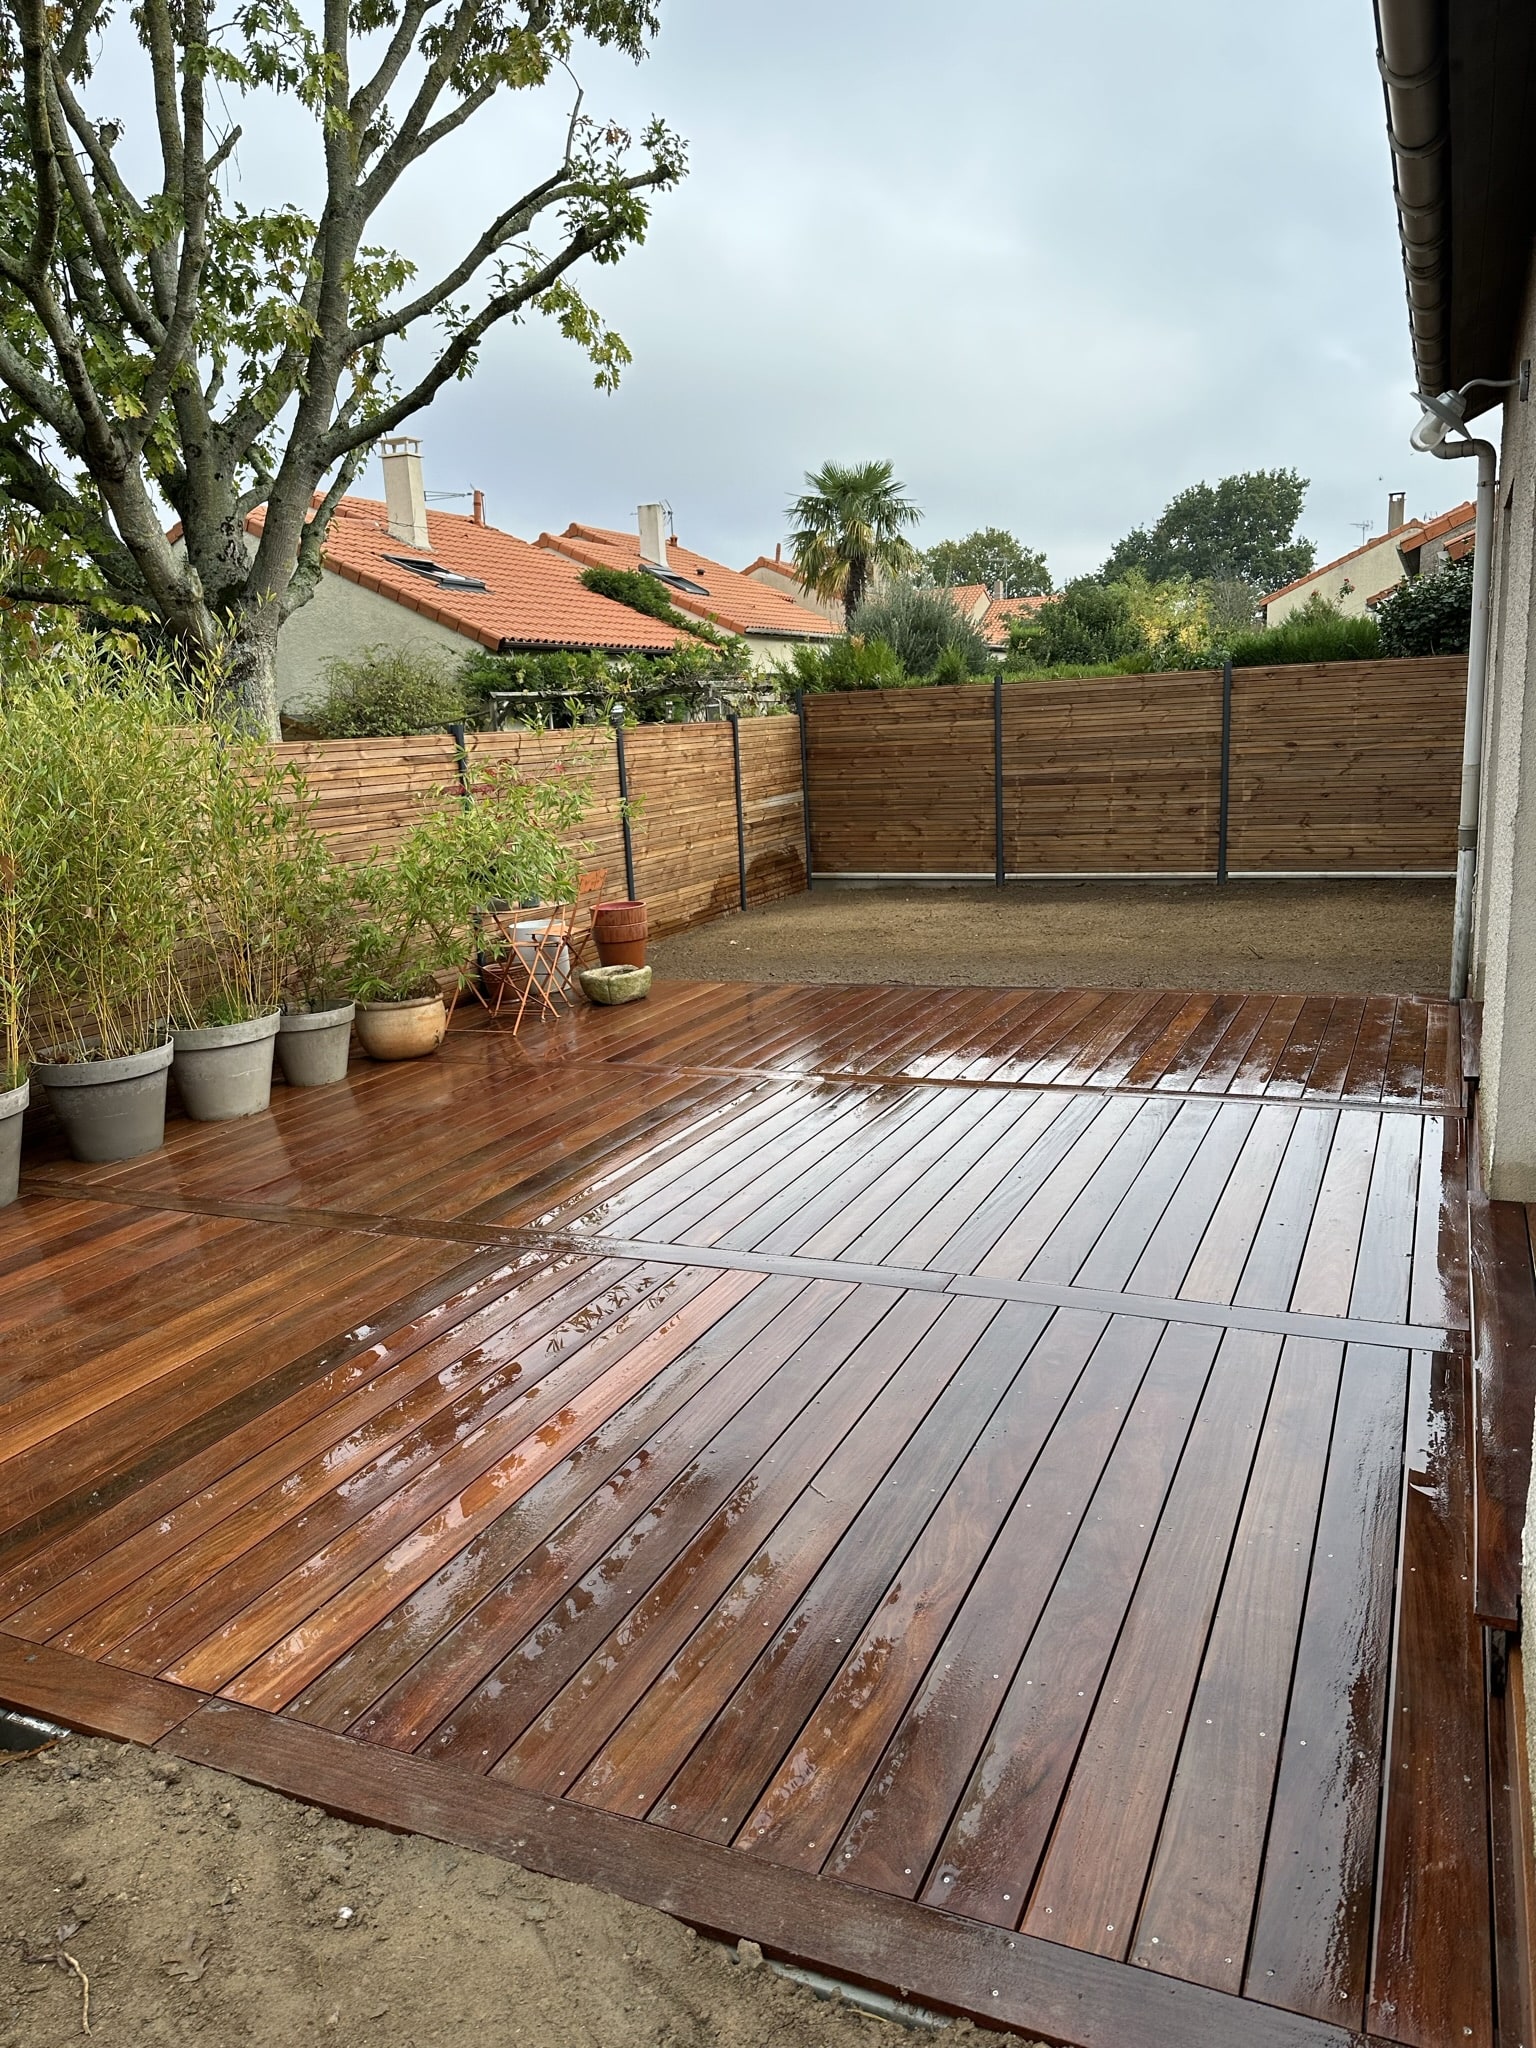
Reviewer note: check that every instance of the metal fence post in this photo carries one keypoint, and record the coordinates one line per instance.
(461, 757)
(805, 782)
(629, 837)
(1223, 815)
(741, 816)
(997, 781)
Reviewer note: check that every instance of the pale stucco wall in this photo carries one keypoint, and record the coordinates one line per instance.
(1505, 948)
(1504, 955)
(1349, 585)
(341, 619)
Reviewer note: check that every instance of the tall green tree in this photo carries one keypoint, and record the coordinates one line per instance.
(993, 556)
(1090, 623)
(849, 528)
(178, 346)
(1241, 529)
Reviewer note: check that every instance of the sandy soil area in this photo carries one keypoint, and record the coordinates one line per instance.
(1305, 938)
(204, 1911)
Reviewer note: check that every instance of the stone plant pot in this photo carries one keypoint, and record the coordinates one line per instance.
(110, 1109)
(312, 1045)
(12, 1102)
(402, 1031)
(225, 1070)
(615, 984)
(619, 933)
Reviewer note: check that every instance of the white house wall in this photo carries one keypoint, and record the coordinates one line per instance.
(1505, 941)
(342, 618)
(1347, 586)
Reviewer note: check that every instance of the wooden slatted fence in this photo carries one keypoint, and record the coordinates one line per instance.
(1345, 767)
(368, 793)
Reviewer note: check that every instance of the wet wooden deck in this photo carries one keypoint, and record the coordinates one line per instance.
(973, 1489)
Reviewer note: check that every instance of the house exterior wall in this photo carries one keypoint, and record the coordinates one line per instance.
(1504, 958)
(1348, 584)
(341, 619)
(770, 652)
(788, 584)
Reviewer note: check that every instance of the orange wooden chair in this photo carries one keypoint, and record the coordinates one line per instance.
(544, 952)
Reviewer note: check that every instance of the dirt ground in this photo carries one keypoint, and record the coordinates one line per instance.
(1300, 938)
(207, 1912)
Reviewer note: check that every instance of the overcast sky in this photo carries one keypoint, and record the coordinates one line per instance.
(1053, 262)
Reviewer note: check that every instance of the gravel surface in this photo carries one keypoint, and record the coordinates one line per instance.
(196, 1909)
(1300, 938)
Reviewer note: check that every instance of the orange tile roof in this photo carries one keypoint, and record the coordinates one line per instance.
(737, 602)
(1448, 522)
(967, 595)
(532, 598)
(1409, 530)
(994, 627)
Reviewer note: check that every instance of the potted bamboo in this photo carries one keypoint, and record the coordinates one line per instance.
(318, 908)
(230, 980)
(417, 909)
(18, 934)
(108, 782)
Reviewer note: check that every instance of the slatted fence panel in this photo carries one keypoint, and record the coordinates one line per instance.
(1353, 764)
(901, 781)
(1339, 767)
(1112, 774)
(369, 792)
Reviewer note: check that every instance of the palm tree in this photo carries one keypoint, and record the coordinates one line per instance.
(848, 530)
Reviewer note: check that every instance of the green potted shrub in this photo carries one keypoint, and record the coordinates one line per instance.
(103, 748)
(230, 983)
(319, 907)
(417, 908)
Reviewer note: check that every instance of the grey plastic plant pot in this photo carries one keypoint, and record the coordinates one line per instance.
(12, 1102)
(312, 1045)
(110, 1109)
(225, 1070)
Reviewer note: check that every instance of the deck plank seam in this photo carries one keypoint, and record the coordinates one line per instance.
(909, 1279)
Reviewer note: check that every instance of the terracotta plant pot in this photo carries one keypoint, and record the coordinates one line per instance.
(619, 933)
(110, 1109)
(12, 1102)
(224, 1071)
(402, 1031)
(312, 1045)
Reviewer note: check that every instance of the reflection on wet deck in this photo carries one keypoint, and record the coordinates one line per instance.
(1004, 1453)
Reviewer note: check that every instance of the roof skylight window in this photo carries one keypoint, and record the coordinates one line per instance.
(434, 572)
(671, 576)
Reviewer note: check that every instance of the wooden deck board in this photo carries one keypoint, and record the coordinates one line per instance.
(720, 1527)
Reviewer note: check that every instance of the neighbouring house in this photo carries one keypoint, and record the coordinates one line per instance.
(988, 611)
(771, 621)
(1460, 86)
(1000, 614)
(776, 574)
(1354, 582)
(403, 575)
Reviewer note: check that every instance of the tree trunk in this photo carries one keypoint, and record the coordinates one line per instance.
(250, 672)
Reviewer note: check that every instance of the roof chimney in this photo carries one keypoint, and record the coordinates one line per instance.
(479, 514)
(653, 534)
(405, 495)
(1395, 510)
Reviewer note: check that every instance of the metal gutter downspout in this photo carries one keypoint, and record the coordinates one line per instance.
(1477, 690)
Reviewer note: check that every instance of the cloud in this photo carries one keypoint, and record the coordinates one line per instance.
(1055, 263)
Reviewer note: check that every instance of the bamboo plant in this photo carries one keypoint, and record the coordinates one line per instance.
(105, 774)
(417, 908)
